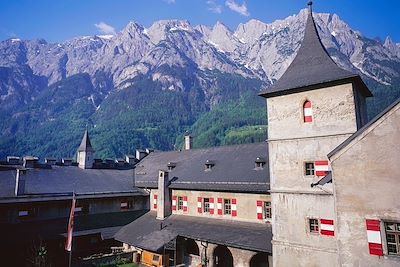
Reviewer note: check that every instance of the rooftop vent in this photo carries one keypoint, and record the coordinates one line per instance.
(171, 165)
(209, 164)
(30, 162)
(66, 161)
(260, 162)
(140, 154)
(131, 159)
(50, 161)
(13, 160)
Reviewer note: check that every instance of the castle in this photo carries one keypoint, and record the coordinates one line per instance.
(321, 191)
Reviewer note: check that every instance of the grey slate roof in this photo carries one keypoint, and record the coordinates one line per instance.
(66, 179)
(146, 232)
(85, 143)
(233, 169)
(312, 67)
(364, 128)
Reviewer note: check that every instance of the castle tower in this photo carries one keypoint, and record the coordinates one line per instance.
(311, 109)
(85, 153)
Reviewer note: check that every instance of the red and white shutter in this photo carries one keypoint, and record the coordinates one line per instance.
(199, 202)
(219, 206)
(327, 227)
(321, 167)
(174, 203)
(307, 111)
(234, 207)
(155, 201)
(259, 210)
(374, 237)
(212, 206)
(185, 204)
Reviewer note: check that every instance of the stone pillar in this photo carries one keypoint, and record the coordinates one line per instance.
(241, 258)
(163, 198)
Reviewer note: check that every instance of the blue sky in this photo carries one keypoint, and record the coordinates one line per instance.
(59, 20)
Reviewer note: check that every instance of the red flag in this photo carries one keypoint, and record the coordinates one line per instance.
(68, 243)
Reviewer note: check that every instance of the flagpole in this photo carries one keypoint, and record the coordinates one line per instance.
(70, 224)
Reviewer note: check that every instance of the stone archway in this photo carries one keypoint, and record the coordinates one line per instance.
(222, 257)
(191, 247)
(259, 260)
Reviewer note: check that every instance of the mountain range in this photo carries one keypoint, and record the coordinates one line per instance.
(146, 87)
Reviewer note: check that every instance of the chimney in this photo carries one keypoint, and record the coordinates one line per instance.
(30, 162)
(20, 182)
(163, 198)
(187, 142)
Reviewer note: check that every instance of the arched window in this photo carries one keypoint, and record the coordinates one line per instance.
(307, 111)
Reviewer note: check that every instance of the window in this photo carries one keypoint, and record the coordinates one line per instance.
(27, 213)
(267, 210)
(82, 209)
(227, 206)
(393, 237)
(307, 112)
(309, 168)
(180, 203)
(314, 225)
(209, 164)
(126, 205)
(259, 164)
(206, 205)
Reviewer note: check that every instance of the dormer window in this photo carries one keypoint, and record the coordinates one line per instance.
(209, 164)
(260, 162)
(307, 111)
(171, 165)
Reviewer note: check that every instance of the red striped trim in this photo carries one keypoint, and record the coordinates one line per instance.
(329, 233)
(307, 104)
(212, 208)
(234, 207)
(199, 202)
(321, 162)
(324, 221)
(375, 249)
(233, 200)
(373, 225)
(307, 118)
(185, 207)
(173, 199)
(155, 202)
(219, 209)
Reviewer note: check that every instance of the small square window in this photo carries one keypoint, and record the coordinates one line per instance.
(313, 225)
(126, 205)
(393, 237)
(309, 168)
(227, 206)
(206, 205)
(267, 214)
(180, 203)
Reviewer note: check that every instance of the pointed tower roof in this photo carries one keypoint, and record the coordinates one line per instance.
(312, 67)
(85, 143)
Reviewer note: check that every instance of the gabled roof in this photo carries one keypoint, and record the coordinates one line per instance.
(363, 129)
(312, 67)
(85, 143)
(53, 182)
(233, 169)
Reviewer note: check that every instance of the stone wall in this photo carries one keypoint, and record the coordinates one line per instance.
(366, 177)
